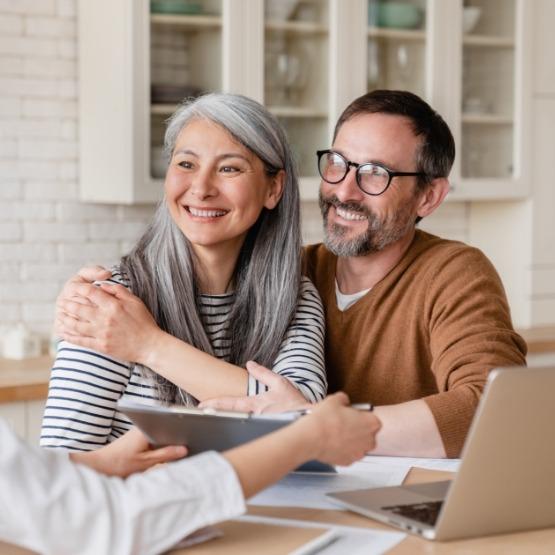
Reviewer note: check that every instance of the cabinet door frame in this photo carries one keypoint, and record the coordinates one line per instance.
(484, 189)
(114, 88)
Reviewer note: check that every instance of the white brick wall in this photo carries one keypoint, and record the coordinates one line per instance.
(46, 233)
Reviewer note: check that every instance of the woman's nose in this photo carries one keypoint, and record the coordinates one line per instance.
(203, 185)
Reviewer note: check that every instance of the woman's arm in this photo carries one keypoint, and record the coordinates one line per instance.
(71, 509)
(300, 358)
(80, 411)
(112, 320)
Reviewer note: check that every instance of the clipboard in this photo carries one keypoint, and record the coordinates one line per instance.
(207, 429)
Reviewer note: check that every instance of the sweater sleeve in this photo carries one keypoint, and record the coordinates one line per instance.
(470, 334)
(301, 355)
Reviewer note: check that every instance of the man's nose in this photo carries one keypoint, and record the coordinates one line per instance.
(348, 189)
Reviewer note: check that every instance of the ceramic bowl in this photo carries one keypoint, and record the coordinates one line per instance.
(398, 15)
(471, 15)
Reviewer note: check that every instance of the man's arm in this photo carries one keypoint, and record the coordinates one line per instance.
(408, 429)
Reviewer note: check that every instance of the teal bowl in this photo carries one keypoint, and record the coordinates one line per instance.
(398, 15)
(183, 7)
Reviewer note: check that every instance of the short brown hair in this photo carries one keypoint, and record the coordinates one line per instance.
(437, 152)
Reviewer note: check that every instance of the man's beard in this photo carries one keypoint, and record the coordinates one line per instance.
(379, 234)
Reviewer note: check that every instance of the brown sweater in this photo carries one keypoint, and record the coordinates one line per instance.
(432, 328)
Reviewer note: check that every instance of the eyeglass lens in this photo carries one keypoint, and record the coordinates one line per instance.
(372, 179)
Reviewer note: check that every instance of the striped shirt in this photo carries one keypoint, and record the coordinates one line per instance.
(85, 385)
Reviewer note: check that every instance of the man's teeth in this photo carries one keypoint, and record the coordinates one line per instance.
(348, 215)
(207, 213)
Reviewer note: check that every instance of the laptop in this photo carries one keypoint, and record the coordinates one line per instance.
(506, 480)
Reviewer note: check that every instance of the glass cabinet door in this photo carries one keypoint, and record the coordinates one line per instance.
(185, 61)
(296, 74)
(488, 89)
(397, 45)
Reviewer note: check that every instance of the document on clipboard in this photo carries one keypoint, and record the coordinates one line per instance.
(207, 429)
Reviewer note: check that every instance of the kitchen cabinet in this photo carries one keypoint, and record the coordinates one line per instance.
(306, 60)
(25, 418)
(23, 391)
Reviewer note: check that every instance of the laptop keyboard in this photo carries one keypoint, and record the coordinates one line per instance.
(422, 512)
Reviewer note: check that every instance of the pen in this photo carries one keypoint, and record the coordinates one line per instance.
(358, 406)
(318, 544)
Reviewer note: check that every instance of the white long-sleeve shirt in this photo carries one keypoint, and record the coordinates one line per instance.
(51, 505)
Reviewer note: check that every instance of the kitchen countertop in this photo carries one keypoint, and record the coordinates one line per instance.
(24, 380)
(27, 380)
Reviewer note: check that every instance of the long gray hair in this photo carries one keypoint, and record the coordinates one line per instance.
(161, 267)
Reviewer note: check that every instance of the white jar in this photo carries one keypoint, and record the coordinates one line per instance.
(19, 343)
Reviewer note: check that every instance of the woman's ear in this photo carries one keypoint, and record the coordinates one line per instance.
(275, 190)
(432, 196)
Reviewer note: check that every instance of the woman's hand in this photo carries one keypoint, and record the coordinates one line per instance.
(109, 319)
(339, 434)
(128, 454)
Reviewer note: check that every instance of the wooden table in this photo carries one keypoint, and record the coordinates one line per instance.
(237, 537)
(243, 537)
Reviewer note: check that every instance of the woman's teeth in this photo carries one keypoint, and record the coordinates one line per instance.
(206, 213)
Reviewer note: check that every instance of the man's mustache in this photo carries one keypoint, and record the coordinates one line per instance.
(327, 202)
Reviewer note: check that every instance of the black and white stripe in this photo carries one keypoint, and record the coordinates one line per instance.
(85, 385)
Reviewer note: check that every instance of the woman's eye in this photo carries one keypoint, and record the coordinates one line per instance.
(185, 165)
(229, 169)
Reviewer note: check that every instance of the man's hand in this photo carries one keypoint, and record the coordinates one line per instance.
(112, 321)
(128, 454)
(281, 396)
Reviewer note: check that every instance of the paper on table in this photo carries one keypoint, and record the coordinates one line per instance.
(308, 489)
(449, 465)
(349, 539)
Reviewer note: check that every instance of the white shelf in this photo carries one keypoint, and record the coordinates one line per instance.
(163, 109)
(187, 21)
(397, 34)
(300, 27)
(488, 41)
(296, 112)
(486, 119)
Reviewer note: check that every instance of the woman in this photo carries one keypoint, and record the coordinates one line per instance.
(217, 273)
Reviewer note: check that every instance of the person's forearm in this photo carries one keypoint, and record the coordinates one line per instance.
(202, 375)
(408, 430)
(283, 450)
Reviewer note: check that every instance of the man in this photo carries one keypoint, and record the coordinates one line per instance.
(413, 322)
(52, 505)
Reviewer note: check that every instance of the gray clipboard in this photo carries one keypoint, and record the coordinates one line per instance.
(207, 430)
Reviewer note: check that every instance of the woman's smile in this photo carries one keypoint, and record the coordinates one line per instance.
(205, 214)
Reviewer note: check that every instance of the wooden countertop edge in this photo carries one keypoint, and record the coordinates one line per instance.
(27, 392)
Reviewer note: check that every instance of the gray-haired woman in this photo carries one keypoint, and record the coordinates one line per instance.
(213, 283)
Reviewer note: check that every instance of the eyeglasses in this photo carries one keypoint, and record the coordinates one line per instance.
(371, 179)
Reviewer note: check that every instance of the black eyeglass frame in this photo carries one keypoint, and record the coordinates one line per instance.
(349, 165)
